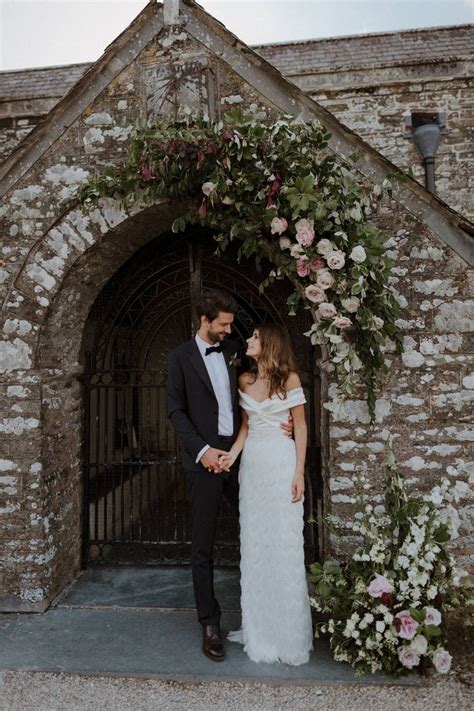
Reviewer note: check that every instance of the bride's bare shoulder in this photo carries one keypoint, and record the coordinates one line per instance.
(293, 381)
(245, 379)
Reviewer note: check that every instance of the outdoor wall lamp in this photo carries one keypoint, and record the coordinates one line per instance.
(426, 130)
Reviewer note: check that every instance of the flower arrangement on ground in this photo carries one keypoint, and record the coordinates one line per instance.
(387, 605)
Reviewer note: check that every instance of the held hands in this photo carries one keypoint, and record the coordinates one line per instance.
(226, 460)
(297, 488)
(211, 460)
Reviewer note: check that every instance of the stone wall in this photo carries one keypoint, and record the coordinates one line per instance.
(56, 262)
(427, 396)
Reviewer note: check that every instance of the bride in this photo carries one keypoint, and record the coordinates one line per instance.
(276, 617)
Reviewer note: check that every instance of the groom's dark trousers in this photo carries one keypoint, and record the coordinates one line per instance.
(193, 411)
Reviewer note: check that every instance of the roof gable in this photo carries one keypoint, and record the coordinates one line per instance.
(285, 96)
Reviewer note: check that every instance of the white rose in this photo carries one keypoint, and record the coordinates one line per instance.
(442, 661)
(227, 200)
(285, 243)
(297, 251)
(407, 657)
(327, 310)
(378, 322)
(432, 616)
(351, 304)
(324, 246)
(208, 188)
(315, 294)
(380, 626)
(358, 254)
(419, 645)
(324, 279)
(304, 224)
(279, 225)
(336, 259)
(304, 232)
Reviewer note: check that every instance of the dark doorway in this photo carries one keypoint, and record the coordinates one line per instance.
(136, 508)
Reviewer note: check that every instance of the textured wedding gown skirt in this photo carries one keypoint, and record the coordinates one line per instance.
(276, 616)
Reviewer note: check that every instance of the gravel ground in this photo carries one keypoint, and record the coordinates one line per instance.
(38, 691)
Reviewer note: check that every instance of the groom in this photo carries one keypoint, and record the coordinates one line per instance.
(204, 409)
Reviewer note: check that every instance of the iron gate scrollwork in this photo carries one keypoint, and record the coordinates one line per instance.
(136, 507)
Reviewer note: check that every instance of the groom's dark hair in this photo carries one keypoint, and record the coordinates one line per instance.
(212, 302)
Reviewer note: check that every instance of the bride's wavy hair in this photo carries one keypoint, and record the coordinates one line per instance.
(277, 359)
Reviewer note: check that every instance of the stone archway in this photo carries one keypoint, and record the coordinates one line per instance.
(63, 276)
(59, 364)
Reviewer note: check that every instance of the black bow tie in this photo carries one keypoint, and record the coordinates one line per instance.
(214, 349)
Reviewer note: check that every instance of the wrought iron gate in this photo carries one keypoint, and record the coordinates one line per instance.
(136, 508)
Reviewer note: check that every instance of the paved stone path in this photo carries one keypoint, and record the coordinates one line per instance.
(128, 640)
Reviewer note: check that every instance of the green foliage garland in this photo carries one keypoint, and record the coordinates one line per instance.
(280, 191)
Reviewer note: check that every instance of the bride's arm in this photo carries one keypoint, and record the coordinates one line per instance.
(226, 460)
(301, 436)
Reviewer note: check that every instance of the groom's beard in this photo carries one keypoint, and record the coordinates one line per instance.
(216, 337)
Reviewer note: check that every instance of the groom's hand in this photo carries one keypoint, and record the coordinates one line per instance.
(210, 460)
(288, 427)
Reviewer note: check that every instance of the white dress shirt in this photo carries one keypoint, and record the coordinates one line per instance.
(219, 375)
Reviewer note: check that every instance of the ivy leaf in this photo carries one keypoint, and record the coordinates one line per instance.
(323, 589)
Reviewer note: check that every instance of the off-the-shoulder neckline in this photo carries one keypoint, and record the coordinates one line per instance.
(259, 402)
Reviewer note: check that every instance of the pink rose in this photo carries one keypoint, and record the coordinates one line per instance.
(327, 310)
(317, 264)
(342, 322)
(315, 294)
(278, 226)
(336, 259)
(304, 232)
(324, 279)
(406, 625)
(408, 657)
(302, 267)
(379, 585)
(432, 616)
(442, 661)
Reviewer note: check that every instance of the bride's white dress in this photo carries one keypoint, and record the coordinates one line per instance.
(276, 616)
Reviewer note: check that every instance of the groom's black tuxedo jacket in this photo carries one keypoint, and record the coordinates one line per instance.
(192, 404)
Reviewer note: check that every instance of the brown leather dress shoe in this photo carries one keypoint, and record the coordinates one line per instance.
(212, 645)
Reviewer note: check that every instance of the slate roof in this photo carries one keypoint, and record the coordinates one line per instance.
(371, 50)
(43, 82)
(452, 228)
(290, 58)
